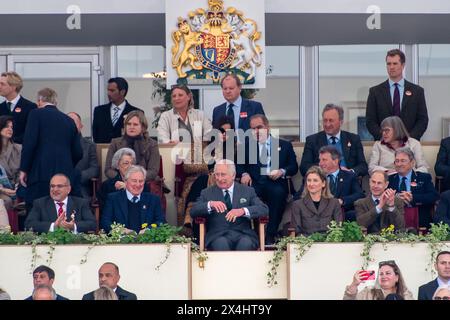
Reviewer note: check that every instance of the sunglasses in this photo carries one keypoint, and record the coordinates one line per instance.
(442, 298)
(387, 263)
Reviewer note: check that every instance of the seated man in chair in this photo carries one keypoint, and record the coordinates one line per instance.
(228, 207)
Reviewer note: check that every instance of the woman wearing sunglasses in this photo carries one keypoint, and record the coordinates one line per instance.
(389, 282)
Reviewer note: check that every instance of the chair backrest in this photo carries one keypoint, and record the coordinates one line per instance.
(102, 151)
(412, 217)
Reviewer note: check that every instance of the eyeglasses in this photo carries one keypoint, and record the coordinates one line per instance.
(387, 263)
(442, 298)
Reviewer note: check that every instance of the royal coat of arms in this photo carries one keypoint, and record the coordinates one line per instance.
(209, 43)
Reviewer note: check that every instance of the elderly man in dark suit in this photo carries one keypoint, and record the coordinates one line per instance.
(229, 207)
(397, 97)
(381, 207)
(414, 188)
(51, 145)
(442, 267)
(348, 144)
(442, 166)
(237, 109)
(132, 207)
(108, 275)
(15, 105)
(87, 167)
(108, 118)
(59, 210)
(268, 162)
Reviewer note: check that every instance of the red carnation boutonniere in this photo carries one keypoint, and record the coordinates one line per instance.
(413, 184)
(408, 93)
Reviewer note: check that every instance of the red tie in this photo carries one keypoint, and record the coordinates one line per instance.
(60, 210)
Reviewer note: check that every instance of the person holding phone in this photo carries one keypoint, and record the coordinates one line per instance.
(389, 282)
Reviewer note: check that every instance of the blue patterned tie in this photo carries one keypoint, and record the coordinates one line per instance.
(115, 116)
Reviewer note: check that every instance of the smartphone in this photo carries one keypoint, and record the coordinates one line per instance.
(368, 275)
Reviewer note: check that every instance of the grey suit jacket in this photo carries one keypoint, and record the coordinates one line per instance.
(306, 219)
(366, 215)
(88, 165)
(217, 225)
(44, 214)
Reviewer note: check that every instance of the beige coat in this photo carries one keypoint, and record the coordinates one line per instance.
(367, 294)
(382, 157)
(168, 125)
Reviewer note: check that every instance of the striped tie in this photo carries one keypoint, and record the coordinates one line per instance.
(115, 116)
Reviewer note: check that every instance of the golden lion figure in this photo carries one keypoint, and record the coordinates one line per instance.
(190, 39)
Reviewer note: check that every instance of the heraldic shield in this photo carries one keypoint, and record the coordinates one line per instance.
(213, 42)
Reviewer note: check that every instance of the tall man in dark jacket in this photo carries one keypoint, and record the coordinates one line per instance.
(51, 145)
(15, 105)
(397, 97)
(108, 118)
(348, 144)
(442, 267)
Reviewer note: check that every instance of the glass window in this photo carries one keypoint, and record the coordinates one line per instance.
(346, 72)
(434, 77)
(281, 96)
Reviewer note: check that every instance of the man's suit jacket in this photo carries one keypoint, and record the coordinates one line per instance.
(20, 116)
(423, 192)
(286, 160)
(248, 109)
(88, 165)
(121, 294)
(44, 214)
(443, 209)
(366, 215)
(442, 166)
(217, 225)
(427, 290)
(348, 189)
(116, 210)
(51, 145)
(413, 110)
(103, 130)
(351, 147)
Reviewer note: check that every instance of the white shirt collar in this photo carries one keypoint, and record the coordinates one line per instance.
(338, 136)
(130, 196)
(237, 103)
(120, 106)
(15, 100)
(230, 190)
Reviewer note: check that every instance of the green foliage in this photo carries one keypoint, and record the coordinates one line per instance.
(335, 232)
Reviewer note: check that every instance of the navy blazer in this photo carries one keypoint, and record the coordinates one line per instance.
(103, 130)
(348, 189)
(20, 116)
(427, 290)
(423, 192)
(116, 210)
(51, 145)
(248, 109)
(442, 166)
(351, 147)
(413, 109)
(443, 209)
(286, 159)
(121, 295)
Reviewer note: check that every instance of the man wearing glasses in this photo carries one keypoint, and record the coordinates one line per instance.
(442, 266)
(59, 210)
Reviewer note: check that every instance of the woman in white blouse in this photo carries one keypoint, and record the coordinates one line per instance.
(182, 121)
(393, 136)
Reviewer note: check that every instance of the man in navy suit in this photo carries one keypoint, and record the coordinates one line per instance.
(108, 118)
(344, 185)
(348, 144)
(44, 276)
(132, 207)
(237, 109)
(15, 105)
(442, 267)
(442, 213)
(268, 162)
(414, 188)
(60, 210)
(397, 97)
(109, 276)
(51, 145)
(442, 166)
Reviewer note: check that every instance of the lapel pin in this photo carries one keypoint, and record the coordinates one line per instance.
(408, 93)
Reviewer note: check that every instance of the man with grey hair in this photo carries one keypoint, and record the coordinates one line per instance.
(229, 206)
(348, 144)
(51, 145)
(15, 105)
(131, 206)
(44, 292)
(415, 188)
